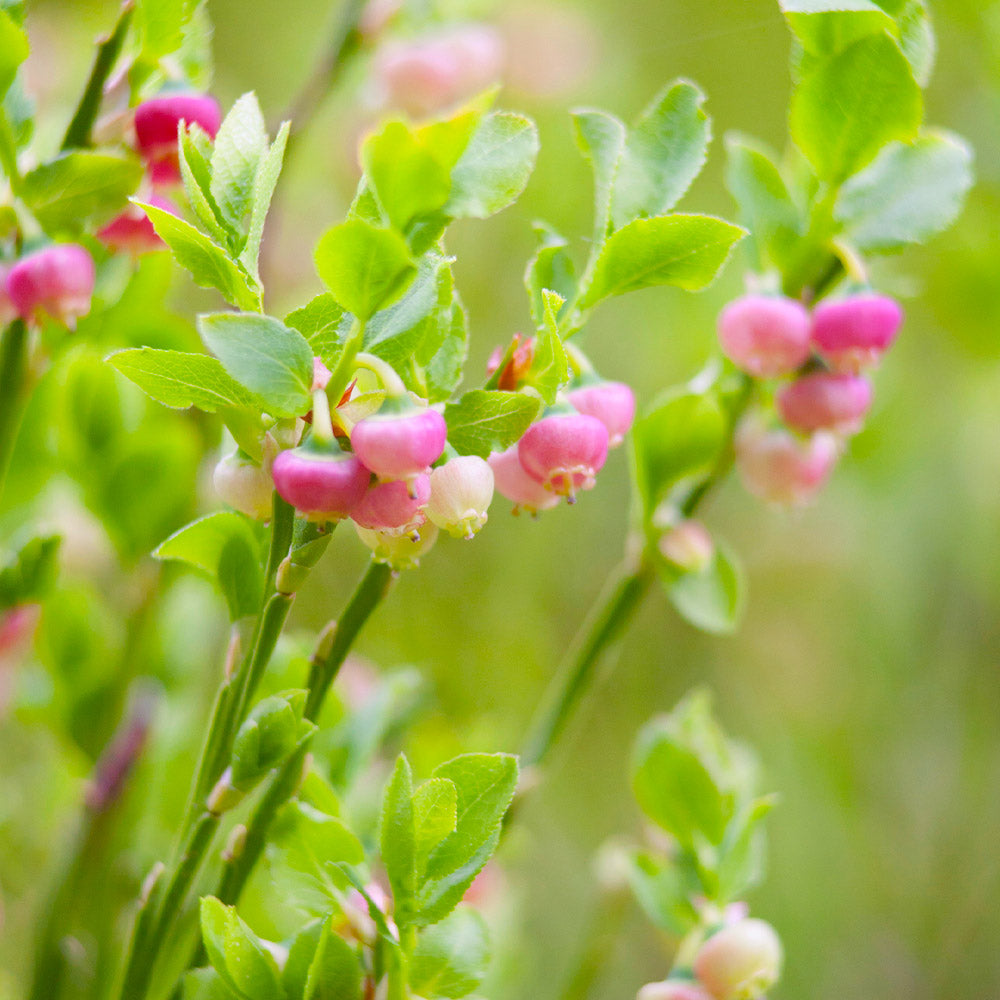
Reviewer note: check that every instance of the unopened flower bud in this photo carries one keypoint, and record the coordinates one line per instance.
(324, 485)
(516, 485)
(400, 441)
(688, 546)
(57, 281)
(394, 507)
(826, 401)
(461, 492)
(564, 452)
(741, 961)
(765, 335)
(399, 551)
(777, 466)
(156, 122)
(613, 403)
(224, 795)
(673, 989)
(132, 231)
(854, 333)
(244, 485)
(321, 376)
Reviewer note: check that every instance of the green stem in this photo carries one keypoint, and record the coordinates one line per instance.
(340, 377)
(604, 624)
(108, 49)
(14, 386)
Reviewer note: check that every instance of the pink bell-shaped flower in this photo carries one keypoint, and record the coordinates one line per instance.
(826, 401)
(394, 507)
(516, 485)
(132, 231)
(688, 546)
(765, 335)
(613, 403)
(564, 452)
(399, 551)
(326, 484)
(245, 485)
(156, 122)
(673, 989)
(401, 440)
(781, 468)
(461, 492)
(854, 333)
(57, 280)
(741, 961)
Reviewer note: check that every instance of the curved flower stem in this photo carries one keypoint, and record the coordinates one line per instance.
(14, 388)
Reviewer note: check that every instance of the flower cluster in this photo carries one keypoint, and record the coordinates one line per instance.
(823, 397)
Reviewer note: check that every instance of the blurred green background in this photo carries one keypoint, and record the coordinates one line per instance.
(866, 671)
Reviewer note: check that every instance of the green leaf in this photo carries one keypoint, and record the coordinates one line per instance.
(767, 209)
(264, 184)
(28, 573)
(485, 784)
(916, 39)
(601, 139)
(161, 24)
(683, 250)
(675, 789)
(907, 195)
(664, 153)
(261, 353)
(483, 421)
(14, 50)
(224, 546)
(267, 737)
(495, 167)
(664, 888)
(205, 984)
(80, 188)
(877, 101)
(711, 598)
(741, 864)
(825, 27)
(397, 843)
(678, 439)
(434, 813)
(210, 265)
(366, 268)
(444, 371)
(550, 369)
(450, 959)
(551, 268)
(335, 972)
(318, 321)
(237, 954)
(180, 380)
(236, 156)
(194, 152)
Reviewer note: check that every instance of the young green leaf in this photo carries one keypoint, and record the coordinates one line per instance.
(550, 369)
(664, 153)
(741, 856)
(451, 958)
(551, 268)
(13, 50)
(601, 138)
(206, 984)
(664, 889)
(366, 268)
(239, 147)
(495, 167)
(270, 733)
(210, 265)
(28, 574)
(270, 359)
(397, 839)
(237, 954)
(907, 195)
(483, 421)
(74, 189)
(711, 598)
(264, 184)
(825, 27)
(877, 101)
(224, 546)
(335, 972)
(319, 321)
(180, 380)
(683, 250)
(443, 371)
(160, 24)
(194, 152)
(434, 813)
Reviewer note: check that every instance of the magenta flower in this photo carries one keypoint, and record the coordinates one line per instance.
(854, 333)
(516, 485)
(613, 403)
(57, 281)
(394, 507)
(564, 452)
(325, 486)
(826, 401)
(132, 231)
(765, 335)
(156, 122)
(399, 444)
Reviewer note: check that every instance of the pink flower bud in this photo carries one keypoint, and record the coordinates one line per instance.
(673, 989)
(826, 401)
(613, 403)
(394, 507)
(399, 551)
(325, 487)
(8, 311)
(564, 452)
(132, 231)
(399, 445)
(156, 122)
(57, 280)
(321, 376)
(516, 485)
(688, 546)
(461, 492)
(765, 335)
(854, 333)
(430, 74)
(741, 961)
(777, 466)
(17, 629)
(244, 485)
